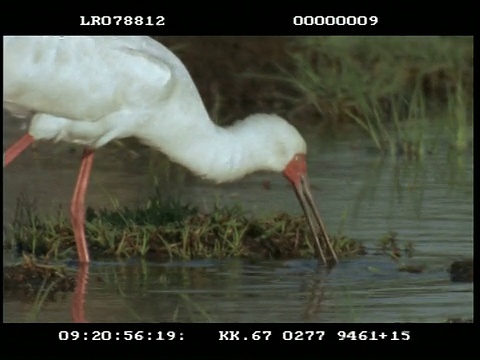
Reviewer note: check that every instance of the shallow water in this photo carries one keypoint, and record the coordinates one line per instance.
(359, 193)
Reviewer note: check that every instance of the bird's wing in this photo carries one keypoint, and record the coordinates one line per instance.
(86, 78)
(157, 72)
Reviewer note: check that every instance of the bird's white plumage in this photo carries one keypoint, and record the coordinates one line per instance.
(90, 90)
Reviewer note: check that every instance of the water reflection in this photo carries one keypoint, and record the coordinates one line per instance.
(79, 294)
(368, 289)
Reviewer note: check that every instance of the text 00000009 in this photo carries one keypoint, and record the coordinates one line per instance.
(335, 20)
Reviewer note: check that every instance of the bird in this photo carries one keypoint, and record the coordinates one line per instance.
(90, 90)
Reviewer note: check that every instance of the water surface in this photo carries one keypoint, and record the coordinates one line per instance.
(360, 194)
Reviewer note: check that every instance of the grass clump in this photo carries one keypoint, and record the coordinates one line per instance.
(167, 229)
(390, 245)
(33, 280)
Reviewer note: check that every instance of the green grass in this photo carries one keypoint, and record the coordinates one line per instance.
(397, 89)
(168, 229)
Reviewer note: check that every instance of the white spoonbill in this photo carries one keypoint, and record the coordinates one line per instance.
(90, 90)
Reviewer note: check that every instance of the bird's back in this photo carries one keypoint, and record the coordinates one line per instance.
(87, 78)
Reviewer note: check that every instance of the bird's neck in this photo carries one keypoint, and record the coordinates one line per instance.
(219, 154)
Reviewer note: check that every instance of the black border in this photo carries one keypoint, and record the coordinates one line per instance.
(204, 338)
(396, 19)
(399, 18)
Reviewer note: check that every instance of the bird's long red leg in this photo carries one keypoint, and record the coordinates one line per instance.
(16, 149)
(77, 208)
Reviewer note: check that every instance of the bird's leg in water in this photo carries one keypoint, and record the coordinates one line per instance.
(77, 208)
(78, 301)
(16, 149)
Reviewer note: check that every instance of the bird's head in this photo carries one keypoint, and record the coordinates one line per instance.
(288, 149)
(287, 154)
(284, 148)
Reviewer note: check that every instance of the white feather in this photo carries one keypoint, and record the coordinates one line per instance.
(91, 90)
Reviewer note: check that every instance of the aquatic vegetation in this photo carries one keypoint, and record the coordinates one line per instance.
(168, 229)
(397, 89)
(390, 245)
(33, 280)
